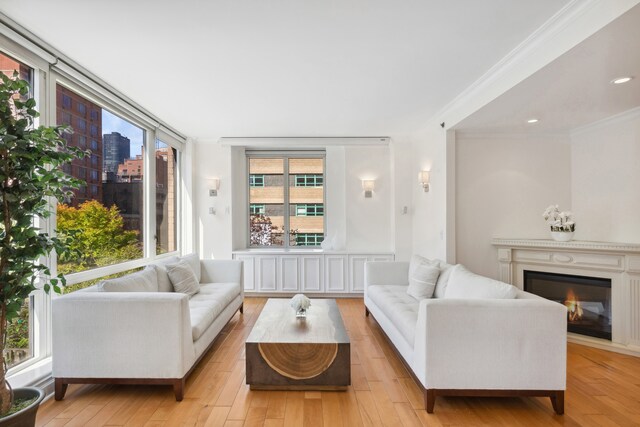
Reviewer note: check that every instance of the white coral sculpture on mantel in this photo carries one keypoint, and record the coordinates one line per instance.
(559, 221)
(300, 302)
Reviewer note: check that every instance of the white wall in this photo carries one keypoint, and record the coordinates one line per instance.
(404, 182)
(362, 224)
(503, 184)
(214, 235)
(605, 178)
(368, 220)
(429, 225)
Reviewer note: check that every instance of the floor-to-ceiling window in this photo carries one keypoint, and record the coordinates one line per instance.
(127, 213)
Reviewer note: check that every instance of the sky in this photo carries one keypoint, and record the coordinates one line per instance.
(113, 123)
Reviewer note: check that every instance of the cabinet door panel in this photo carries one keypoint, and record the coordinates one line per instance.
(335, 273)
(248, 272)
(356, 272)
(311, 273)
(267, 273)
(289, 274)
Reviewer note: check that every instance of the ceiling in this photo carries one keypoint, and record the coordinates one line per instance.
(574, 90)
(286, 67)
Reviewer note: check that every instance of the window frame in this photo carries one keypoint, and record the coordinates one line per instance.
(285, 155)
(151, 134)
(39, 301)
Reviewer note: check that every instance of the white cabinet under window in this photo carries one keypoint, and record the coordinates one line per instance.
(356, 269)
(269, 272)
(335, 273)
(289, 273)
(311, 273)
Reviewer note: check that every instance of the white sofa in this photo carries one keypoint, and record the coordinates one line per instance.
(471, 347)
(149, 337)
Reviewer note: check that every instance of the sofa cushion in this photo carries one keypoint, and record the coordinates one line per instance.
(443, 279)
(423, 274)
(164, 283)
(207, 305)
(183, 278)
(194, 262)
(140, 281)
(467, 285)
(400, 307)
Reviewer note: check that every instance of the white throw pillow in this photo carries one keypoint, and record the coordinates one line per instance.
(194, 262)
(467, 285)
(423, 274)
(164, 284)
(140, 281)
(183, 278)
(443, 279)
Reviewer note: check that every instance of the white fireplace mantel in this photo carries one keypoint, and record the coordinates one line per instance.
(619, 262)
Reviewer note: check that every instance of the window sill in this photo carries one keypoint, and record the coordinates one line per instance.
(32, 374)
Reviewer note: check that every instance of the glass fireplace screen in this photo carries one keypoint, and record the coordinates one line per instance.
(588, 300)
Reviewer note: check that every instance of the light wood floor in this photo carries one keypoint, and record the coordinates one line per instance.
(603, 390)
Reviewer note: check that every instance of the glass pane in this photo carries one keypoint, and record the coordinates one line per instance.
(19, 336)
(87, 283)
(9, 65)
(105, 217)
(306, 201)
(166, 202)
(266, 202)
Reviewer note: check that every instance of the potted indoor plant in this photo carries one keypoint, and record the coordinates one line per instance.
(561, 223)
(31, 175)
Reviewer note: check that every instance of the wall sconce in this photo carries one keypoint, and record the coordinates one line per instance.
(423, 178)
(214, 185)
(368, 185)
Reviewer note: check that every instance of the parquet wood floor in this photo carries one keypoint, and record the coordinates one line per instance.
(603, 389)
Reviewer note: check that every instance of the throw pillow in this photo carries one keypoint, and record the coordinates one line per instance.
(445, 272)
(194, 262)
(467, 285)
(423, 274)
(183, 278)
(140, 281)
(164, 284)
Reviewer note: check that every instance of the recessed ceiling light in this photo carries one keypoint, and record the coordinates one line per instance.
(621, 80)
(532, 121)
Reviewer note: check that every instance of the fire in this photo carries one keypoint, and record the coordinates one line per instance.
(573, 305)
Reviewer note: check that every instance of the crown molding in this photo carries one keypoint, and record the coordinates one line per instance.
(519, 136)
(615, 119)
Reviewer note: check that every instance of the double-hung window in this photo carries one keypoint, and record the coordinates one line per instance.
(286, 198)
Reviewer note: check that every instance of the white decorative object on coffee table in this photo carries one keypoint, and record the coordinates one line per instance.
(300, 304)
(561, 223)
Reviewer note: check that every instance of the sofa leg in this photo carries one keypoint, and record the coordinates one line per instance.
(241, 308)
(178, 389)
(366, 311)
(60, 388)
(557, 401)
(429, 400)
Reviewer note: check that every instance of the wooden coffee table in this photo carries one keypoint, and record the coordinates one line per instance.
(286, 353)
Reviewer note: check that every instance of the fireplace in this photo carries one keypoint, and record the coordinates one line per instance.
(588, 300)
